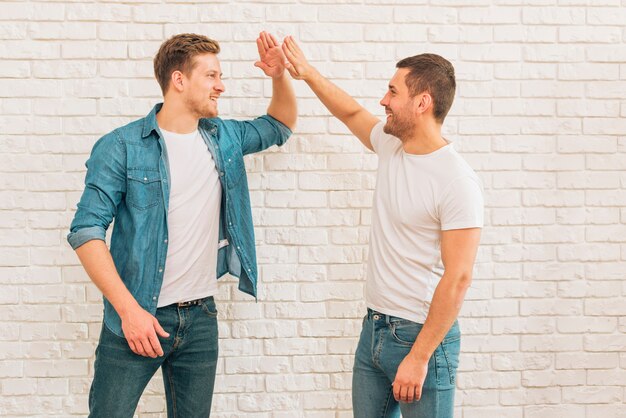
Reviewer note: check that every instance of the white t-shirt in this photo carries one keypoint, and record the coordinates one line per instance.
(416, 197)
(192, 220)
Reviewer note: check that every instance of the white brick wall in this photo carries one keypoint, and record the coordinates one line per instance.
(540, 114)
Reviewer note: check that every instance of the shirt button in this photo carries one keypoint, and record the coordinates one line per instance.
(145, 179)
(165, 241)
(229, 160)
(153, 297)
(161, 270)
(376, 317)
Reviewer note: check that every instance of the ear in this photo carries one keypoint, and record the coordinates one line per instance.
(177, 80)
(423, 103)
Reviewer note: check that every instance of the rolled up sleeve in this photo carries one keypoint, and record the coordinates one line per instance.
(105, 186)
(261, 133)
(81, 236)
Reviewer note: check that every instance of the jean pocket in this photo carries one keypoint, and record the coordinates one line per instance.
(405, 333)
(143, 188)
(209, 308)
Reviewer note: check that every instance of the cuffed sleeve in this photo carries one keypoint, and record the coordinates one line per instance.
(105, 186)
(81, 236)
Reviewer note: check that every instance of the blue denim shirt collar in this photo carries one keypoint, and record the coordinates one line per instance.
(150, 123)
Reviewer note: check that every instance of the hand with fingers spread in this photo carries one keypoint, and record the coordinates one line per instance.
(271, 58)
(141, 329)
(409, 381)
(297, 65)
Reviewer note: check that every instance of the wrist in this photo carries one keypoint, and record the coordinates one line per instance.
(419, 355)
(279, 77)
(310, 74)
(126, 309)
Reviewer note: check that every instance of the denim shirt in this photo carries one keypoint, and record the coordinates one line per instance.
(128, 179)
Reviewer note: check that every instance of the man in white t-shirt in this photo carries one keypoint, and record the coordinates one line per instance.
(426, 222)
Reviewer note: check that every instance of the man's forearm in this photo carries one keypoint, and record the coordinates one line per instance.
(98, 263)
(283, 106)
(337, 101)
(444, 309)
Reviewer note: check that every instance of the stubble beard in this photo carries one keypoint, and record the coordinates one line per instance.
(399, 126)
(203, 109)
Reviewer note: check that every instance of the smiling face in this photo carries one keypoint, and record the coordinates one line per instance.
(203, 86)
(399, 107)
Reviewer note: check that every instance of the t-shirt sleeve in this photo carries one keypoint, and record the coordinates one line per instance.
(462, 205)
(380, 140)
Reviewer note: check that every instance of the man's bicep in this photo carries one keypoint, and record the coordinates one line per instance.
(459, 248)
(361, 125)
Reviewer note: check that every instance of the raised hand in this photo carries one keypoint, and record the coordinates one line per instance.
(271, 58)
(297, 65)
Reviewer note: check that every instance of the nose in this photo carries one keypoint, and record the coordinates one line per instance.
(385, 100)
(220, 86)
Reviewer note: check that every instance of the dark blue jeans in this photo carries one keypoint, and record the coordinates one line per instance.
(385, 341)
(188, 366)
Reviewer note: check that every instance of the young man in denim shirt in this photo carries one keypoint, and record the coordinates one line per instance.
(426, 220)
(176, 184)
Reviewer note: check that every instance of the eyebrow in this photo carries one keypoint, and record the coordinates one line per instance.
(214, 72)
(392, 87)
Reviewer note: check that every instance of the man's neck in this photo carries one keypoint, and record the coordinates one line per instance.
(424, 140)
(175, 118)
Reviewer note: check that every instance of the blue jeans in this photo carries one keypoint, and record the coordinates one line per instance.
(188, 366)
(385, 341)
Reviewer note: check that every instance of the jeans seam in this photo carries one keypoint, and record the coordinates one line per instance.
(170, 378)
(437, 377)
(378, 349)
(389, 396)
(372, 344)
(447, 364)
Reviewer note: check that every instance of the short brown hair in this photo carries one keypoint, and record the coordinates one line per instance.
(433, 74)
(177, 53)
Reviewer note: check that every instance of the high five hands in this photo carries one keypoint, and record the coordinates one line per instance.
(271, 58)
(275, 58)
(296, 64)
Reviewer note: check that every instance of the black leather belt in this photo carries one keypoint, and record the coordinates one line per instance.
(191, 303)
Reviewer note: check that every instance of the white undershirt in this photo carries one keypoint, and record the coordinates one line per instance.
(192, 220)
(416, 197)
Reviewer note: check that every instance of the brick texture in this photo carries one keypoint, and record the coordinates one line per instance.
(540, 114)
